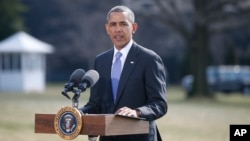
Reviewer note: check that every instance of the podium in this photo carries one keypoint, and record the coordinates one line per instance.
(69, 122)
(96, 124)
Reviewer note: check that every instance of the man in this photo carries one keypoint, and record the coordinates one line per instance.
(139, 90)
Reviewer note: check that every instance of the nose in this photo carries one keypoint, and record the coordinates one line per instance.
(118, 28)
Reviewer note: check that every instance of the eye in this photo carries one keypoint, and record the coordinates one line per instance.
(112, 24)
(124, 23)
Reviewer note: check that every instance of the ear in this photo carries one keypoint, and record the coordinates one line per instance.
(134, 26)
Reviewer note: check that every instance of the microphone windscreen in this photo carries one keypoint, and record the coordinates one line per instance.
(90, 77)
(76, 76)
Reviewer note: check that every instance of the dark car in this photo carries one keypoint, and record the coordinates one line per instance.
(224, 79)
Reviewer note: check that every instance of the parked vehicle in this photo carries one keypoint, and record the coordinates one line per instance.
(224, 79)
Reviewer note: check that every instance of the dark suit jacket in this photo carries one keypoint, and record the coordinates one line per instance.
(142, 86)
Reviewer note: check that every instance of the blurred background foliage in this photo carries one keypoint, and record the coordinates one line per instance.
(11, 19)
(189, 35)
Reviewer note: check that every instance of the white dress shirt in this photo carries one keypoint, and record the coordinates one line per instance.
(124, 52)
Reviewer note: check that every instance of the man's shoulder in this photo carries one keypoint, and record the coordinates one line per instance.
(144, 50)
(105, 54)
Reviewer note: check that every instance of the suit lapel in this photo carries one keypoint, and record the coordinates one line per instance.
(108, 63)
(128, 67)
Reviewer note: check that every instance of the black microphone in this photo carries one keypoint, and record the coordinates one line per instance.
(74, 80)
(88, 80)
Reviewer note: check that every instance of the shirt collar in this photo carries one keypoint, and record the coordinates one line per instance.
(124, 50)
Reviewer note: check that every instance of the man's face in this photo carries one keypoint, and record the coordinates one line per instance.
(120, 29)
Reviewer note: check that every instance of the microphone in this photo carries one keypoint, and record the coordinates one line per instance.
(74, 80)
(88, 80)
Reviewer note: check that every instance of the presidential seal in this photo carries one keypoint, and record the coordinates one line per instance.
(68, 123)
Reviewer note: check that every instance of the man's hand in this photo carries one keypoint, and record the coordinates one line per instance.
(125, 111)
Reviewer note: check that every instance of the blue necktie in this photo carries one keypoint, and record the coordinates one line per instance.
(115, 74)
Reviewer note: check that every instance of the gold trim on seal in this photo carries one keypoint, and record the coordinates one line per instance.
(68, 123)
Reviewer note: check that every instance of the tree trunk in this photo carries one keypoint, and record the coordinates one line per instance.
(198, 44)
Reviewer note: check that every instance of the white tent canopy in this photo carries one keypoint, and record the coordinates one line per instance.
(22, 42)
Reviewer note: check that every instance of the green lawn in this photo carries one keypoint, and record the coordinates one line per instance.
(185, 120)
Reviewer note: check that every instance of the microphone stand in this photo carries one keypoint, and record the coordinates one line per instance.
(75, 104)
(75, 101)
(81, 88)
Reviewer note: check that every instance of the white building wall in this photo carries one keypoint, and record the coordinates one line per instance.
(33, 72)
(34, 81)
(11, 81)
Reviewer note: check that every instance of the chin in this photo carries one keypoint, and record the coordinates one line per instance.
(120, 45)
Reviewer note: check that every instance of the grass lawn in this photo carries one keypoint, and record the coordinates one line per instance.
(185, 120)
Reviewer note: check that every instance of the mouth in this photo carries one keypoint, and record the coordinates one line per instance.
(118, 37)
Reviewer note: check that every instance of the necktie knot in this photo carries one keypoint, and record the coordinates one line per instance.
(118, 55)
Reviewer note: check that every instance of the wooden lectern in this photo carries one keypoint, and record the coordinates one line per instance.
(96, 124)
(69, 122)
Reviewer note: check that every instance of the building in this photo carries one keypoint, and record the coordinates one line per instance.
(23, 63)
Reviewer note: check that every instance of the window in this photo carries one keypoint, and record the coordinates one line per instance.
(10, 62)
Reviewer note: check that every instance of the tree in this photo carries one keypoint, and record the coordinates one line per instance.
(188, 18)
(10, 17)
(196, 21)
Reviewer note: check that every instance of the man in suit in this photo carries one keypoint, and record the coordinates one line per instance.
(139, 90)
